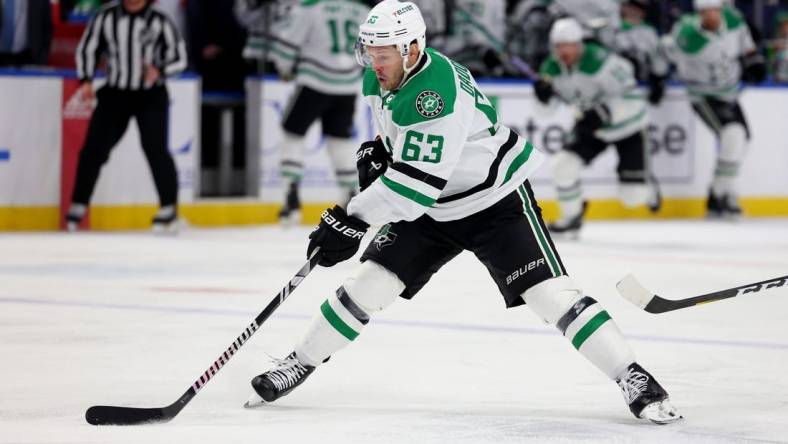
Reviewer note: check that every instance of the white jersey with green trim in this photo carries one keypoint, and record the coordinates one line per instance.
(316, 42)
(477, 23)
(600, 77)
(708, 62)
(451, 156)
(642, 42)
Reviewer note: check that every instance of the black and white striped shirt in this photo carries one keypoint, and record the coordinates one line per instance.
(130, 42)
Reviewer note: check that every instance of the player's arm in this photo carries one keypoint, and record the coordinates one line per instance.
(424, 156)
(174, 49)
(615, 79)
(543, 87)
(90, 47)
(288, 37)
(752, 61)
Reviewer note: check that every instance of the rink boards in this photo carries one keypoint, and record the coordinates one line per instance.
(42, 126)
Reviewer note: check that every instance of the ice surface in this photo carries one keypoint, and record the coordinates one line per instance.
(132, 319)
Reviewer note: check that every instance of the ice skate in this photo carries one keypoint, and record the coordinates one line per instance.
(76, 213)
(645, 397)
(290, 214)
(286, 375)
(165, 222)
(568, 228)
(725, 206)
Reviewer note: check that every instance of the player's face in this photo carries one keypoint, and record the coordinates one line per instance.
(711, 18)
(386, 61)
(569, 53)
(133, 6)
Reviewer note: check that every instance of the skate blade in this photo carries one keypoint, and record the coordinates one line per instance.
(254, 401)
(661, 412)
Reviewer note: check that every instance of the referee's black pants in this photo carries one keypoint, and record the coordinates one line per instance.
(108, 124)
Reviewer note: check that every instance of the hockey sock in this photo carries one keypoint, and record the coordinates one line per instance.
(339, 322)
(566, 174)
(583, 321)
(342, 154)
(292, 165)
(733, 144)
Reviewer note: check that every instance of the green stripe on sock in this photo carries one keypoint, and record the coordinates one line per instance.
(337, 323)
(589, 329)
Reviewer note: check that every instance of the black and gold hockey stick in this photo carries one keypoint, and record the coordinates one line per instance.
(633, 291)
(112, 415)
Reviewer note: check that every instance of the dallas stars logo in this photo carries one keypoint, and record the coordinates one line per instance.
(429, 104)
(385, 237)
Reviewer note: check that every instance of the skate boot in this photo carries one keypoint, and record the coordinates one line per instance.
(286, 375)
(568, 228)
(290, 214)
(645, 397)
(76, 213)
(166, 220)
(654, 202)
(725, 206)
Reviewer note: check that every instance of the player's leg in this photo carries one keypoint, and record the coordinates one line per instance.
(727, 121)
(527, 269)
(302, 110)
(398, 262)
(337, 123)
(567, 166)
(153, 121)
(107, 125)
(637, 185)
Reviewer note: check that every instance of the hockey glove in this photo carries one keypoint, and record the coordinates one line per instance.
(372, 160)
(656, 89)
(338, 235)
(753, 68)
(591, 120)
(543, 90)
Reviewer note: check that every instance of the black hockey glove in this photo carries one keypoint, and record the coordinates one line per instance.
(656, 89)
(591, 120)
(543, 90)
(338, 235)
(372, 160)
(753, 68)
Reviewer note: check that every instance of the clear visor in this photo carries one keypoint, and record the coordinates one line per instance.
(380, 55)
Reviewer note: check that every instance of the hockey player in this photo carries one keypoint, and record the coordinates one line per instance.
(600, 19)
(638, 42)
(478, 34)
(602, 86)
(314, 45)
(713, 50)
(456, 181)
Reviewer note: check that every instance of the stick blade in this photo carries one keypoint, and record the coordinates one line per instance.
(633, 291)
(109, 415)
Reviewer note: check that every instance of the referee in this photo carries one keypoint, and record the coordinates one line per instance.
(142, 47)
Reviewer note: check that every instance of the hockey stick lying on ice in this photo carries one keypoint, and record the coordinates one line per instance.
(634, 292)
(109, 415)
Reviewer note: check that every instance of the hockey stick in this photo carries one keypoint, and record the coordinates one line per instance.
(110, 415)
(634, 292)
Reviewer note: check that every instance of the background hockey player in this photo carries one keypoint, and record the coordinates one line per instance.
(314, 45)
(457, 181)
(713, 50)
(602, 86)
(638, 42)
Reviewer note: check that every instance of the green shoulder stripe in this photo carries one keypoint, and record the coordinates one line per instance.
(371, 86)
(593, 58)
(550, 67)
(309, 2)
(689, 39)
(732, 18)
(429, 95)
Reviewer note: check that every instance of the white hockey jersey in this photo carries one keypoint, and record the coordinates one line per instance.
(600, 77)
(316, 41)
(708, 62)
(642, 43)
(479, 23)
(451, 156)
